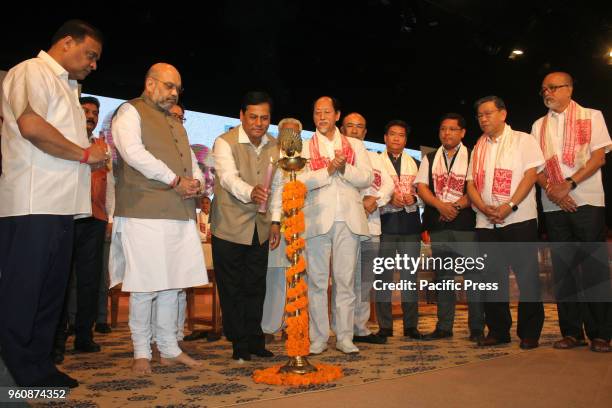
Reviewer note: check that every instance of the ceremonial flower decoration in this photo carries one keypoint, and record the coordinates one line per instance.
(325, 373)
(298, 342)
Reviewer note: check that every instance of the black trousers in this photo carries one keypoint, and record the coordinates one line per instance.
(87, 261)
(240, 271)
(524, 264)
(35, 253)
(580, 271)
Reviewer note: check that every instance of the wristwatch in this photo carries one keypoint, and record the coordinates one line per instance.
(571, 180)
(512, 205)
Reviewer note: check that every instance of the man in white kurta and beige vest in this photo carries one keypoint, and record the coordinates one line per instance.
(401, 229)
(501, 177)
(335, 223)
(155, 248)
(239, 231)
(574, 141)
(375, 196)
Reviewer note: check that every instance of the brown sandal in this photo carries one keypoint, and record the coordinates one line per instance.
(568, 342)
(600, 346)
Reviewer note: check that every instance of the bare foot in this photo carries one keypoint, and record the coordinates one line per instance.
(141, 366)
(182, 359)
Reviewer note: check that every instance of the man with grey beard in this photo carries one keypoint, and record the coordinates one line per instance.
(155, 249)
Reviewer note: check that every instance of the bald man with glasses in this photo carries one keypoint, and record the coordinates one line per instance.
(575, 141)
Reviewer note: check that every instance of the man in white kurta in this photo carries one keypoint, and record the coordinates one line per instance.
(501, 174)
(374, 197)
(335, 223)
(155, 250)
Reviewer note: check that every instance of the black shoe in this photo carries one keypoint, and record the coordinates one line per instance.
(413, 333)
(58, 380)
(262, 353)
(88, 346)
(492, 341)
(103, 328)
(241, 355)
(370, 338)
(528, 344)
(476, 335)
(437, 334)
(196, 335)
(58, 355)
(385, 333)
(69, 381)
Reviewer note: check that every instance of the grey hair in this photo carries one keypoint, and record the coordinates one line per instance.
(290, 120)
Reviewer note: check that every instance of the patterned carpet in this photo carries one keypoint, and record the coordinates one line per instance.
(106, 379)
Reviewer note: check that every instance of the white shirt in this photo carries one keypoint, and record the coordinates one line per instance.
(383, 194)
(589, 191)
(225, 166)
(32, 181)
(528, 155)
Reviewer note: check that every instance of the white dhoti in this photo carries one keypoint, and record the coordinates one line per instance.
(276, 290)
(154, 259)
(344, 245)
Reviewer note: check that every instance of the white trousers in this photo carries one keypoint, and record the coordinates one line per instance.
(344, 245)
(274, 302)
(141, 305)
(362, 296)
(180, 322)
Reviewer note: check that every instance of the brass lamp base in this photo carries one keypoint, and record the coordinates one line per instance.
(297, 365)
(292, 163)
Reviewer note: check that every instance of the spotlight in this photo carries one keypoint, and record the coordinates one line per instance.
(516, 53)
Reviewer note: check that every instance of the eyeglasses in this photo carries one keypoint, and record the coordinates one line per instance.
(170, 86)
(486, 114)
(450, 129)
(552, 89)
(178, 117)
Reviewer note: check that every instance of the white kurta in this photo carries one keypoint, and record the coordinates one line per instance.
(150, 255)
(589, 191)
(35, 182)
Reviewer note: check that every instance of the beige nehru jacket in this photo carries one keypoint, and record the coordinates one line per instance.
(231, 219)
(166, 139)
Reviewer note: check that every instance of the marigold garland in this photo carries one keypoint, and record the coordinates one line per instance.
(325, 373)
(298, 342)
(299, 267)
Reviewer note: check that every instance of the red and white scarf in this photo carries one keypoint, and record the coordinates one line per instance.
(576, 140)
(502, 174)
(318, 162)
(449, 184)
(404, 182)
